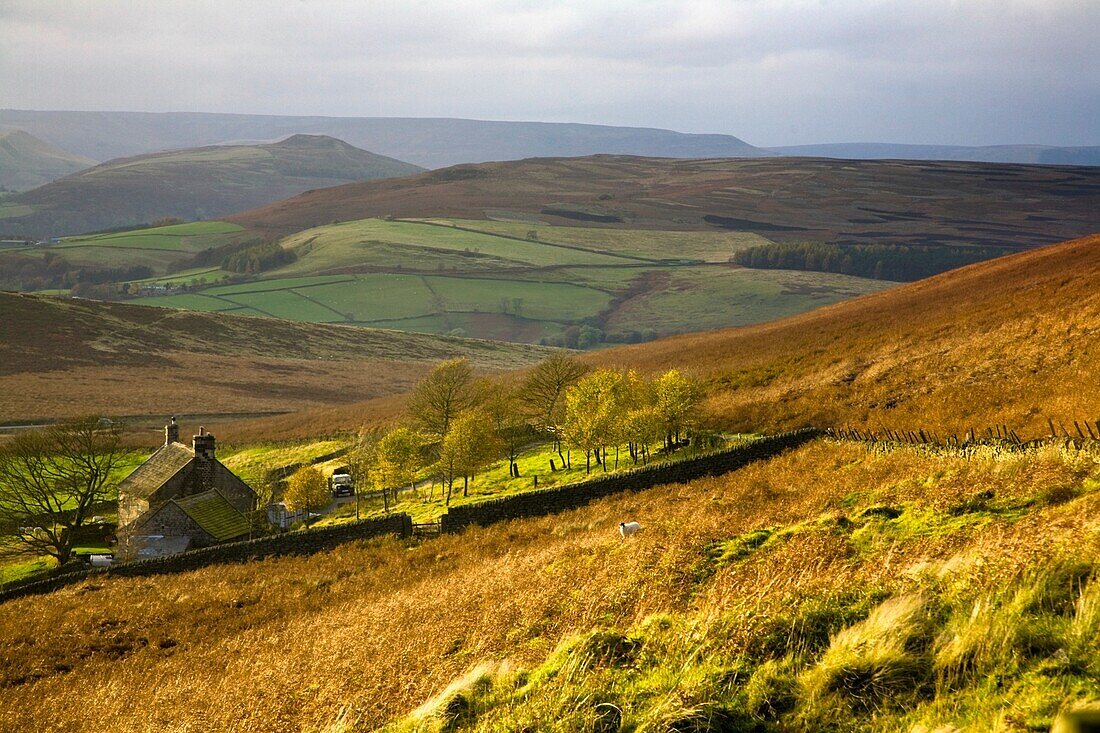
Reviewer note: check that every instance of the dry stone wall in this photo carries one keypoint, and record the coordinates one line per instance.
(571, 496)
(531, 504)
(303, 542)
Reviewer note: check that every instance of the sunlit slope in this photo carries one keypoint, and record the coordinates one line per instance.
(723, 609)
(1011, 341)
(66, 357)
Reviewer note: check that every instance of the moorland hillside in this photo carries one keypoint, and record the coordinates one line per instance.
(839, 587)
(27, 162)
(790, 200)
(1011, 341)
(198, 183)
(69, 357)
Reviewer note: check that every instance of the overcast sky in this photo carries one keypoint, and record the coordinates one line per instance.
(772, 72)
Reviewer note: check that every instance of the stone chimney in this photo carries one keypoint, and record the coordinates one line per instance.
(204, 458)
(171, 432)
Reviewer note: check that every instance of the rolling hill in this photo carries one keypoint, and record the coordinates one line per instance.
(27, 162)
(200, 183)
(1013, 342)
(440, 142)
(789, 199)
(64, 357)
(1008, 342)
(429, 142)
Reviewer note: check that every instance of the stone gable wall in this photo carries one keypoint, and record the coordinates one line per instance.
(235, 490)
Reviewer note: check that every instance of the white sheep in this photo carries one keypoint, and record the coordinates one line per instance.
(628, 529)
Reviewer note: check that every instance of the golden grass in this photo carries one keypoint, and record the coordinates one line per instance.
(371, 631)
(1011, 341)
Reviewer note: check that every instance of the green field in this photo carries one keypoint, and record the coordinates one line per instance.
(700, 298)
(12, 210)
(383, 298)
(442, 278)
(158, 247)
(253, 462)
(207, 275)
(192, 237)
(644, 243)
(418, 246)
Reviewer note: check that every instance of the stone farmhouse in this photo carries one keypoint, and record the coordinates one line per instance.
(182, 497)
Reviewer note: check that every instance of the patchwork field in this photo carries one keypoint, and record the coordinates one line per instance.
(514, 282)
(539, 250)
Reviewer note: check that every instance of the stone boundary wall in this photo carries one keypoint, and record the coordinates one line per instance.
(530, 504)
(302, 542)
(573, 495)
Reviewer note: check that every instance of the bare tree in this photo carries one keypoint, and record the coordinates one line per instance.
(52, 480)
(438, 398)
(543, 393)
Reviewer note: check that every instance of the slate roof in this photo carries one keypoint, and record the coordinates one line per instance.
(213, 512)
(161, 466)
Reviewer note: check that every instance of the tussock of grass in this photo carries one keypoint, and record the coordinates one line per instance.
(773, 690)
(879, 660)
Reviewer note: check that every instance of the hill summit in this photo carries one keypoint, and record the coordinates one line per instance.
(196, 183)
(27, 162)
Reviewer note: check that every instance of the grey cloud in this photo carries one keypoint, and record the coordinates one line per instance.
(770, 71)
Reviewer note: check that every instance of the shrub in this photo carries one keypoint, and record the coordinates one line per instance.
(609, 648)
(809, 629)
(711, 718)
(1026, 621)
